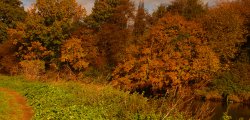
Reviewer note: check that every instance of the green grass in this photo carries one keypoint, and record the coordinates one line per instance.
(76, 101)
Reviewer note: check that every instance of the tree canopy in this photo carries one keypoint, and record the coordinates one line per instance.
(187, 8)
(11, 12)
(174, 53)
(47, 25)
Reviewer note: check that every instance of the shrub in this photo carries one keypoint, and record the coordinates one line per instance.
(225, 83)
(235, 80)
(32, 69)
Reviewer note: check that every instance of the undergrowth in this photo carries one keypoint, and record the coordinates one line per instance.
(76, 101)
(232, 85)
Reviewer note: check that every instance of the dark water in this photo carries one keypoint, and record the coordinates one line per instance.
(237, 111)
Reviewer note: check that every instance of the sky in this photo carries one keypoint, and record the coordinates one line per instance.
(150, 5)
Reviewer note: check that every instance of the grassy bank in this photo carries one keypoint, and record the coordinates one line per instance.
(76, 101)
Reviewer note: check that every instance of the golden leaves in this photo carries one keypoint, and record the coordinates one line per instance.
(224, 27)
(34, 51)
(129, 65)
(175, 52)
(73, 52)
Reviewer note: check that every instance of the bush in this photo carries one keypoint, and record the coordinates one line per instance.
(224, 83)
(234, 83)
(32, 69)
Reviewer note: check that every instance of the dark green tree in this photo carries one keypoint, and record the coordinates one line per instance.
(187, 8)
(140, 21)
(11, 12)
(110, 19)
(110, 11)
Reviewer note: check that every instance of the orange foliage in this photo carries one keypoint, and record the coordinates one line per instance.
(174, 53)
(74, 53)
(225, 30)
(32, 69)
(35, 51)
(8, 61)
(80, 50)
(8, 49)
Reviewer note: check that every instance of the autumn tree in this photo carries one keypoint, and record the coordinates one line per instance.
(11, 12)
(187, 8)
(110, 11)
(225, 30)
(175, 54)
(244, 8)
(48, 25)
(8, 61)
(140, 21)
(100, 14)
(80, 51)
(110, 19)
(247, 6)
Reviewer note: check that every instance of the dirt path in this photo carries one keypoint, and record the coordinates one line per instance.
(17, 99)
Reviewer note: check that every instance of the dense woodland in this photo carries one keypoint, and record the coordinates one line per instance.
(185, 48)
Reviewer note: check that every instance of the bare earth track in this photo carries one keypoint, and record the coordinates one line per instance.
(26, 111)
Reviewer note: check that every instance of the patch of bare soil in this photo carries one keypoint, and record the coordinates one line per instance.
(20, 101)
